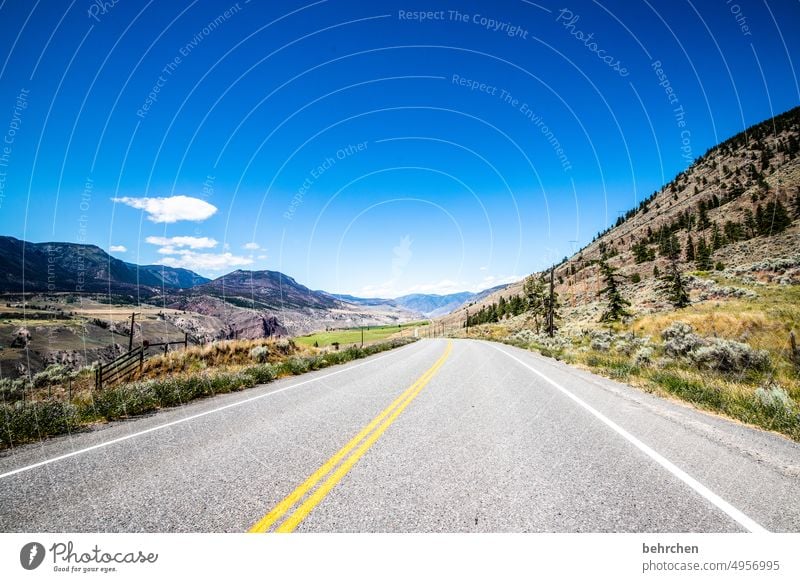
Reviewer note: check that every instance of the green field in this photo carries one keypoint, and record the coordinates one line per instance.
(347, 337)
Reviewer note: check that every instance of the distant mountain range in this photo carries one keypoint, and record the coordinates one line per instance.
(75, 268)
(59, 267)
(434, 305)
(426, 304)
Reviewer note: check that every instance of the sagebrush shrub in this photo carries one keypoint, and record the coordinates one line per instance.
(730, 356)
(643, 357)
(775, 398)
(601, 341)
(259, 354)
(680, 339)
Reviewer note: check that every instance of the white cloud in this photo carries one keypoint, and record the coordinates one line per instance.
(193, 242)
(118, 249)
(171, 209)
(251, 246)
(204, 262)
(262, 257)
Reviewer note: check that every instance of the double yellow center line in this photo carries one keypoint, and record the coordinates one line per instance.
(340, 463)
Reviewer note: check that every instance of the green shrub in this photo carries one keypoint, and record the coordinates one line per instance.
(262, 374)
(297, 365)
(12, 390)
(126, 400)
(338, 357)
(26, 421)
(53, 374)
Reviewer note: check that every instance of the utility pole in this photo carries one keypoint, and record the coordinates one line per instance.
(551, 307)
(467, 326)
(362, 336)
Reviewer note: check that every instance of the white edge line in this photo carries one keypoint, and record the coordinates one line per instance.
(737, 515)
(194, 416)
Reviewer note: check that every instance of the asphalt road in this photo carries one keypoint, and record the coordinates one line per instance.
(438, 436)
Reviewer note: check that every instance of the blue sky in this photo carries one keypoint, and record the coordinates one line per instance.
(360, 147)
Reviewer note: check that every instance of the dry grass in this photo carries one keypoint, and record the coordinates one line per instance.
(223, 355)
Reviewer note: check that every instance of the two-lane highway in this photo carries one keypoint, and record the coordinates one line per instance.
(442, 436)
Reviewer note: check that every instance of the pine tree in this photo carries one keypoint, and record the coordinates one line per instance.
(762, 225)
(797, 203)
(534, 290)
(733, 231)
(689, 249)
(702, 216)
(551, 310)
(716, 237)
(502, 306)
(641, 252)
(515, 305)
(703, 256)
(673, 286)
(750, 223)
(774, 219)
(616, 303)
(673, 246)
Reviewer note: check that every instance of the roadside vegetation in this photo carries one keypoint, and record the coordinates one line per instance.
(58, 400)
(352, 336)
(732, 357)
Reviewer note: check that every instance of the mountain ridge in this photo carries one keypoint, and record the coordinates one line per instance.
(717, 198)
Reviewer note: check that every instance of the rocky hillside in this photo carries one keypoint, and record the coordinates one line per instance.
(78, 268)
(734, 212)
(172, 277)
(265, 289)
(77, 299)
